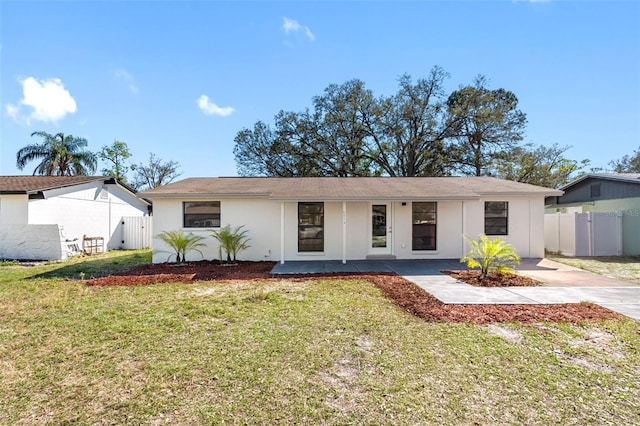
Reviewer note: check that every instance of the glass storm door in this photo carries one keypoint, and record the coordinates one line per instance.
(380, 229)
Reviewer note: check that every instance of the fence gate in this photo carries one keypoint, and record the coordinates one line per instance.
(136, 232)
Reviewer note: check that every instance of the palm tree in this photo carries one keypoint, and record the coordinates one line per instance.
(489, 254)
(181, 243)
(61, 155)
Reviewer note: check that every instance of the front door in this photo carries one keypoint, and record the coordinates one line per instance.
(380, 229)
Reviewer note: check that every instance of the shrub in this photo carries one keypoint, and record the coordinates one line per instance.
(490, 254)
(232, 241)
(181, 243)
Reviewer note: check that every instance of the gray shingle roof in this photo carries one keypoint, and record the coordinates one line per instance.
(622, 177)
(351, 188)
(36, 184)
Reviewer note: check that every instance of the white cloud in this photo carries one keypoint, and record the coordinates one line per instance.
(13, 111)
(48, 98)
(309, 34)
(292, 26)
(122, 74)
(209, 108)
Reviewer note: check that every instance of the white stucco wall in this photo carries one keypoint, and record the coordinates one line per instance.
(262, 218)
(525, 223)
(31, 242)
(448, 232)
(14, 209)
(356, 231)
(92, 209)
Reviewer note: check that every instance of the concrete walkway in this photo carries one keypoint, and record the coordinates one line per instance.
(561, 283)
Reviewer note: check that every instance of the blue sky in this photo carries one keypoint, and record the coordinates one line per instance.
(180, 79)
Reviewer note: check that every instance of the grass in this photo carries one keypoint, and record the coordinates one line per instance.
(289, 352)
(626, 268)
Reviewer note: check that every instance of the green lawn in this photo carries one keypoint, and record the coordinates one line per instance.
(289, 352)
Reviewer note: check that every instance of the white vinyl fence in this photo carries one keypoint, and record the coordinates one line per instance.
(136, 232)
(583, 234)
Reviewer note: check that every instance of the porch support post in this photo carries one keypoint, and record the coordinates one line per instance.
(282, 233)
(462, 226)
(344, 232)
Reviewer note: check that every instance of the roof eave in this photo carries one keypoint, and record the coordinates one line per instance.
(377, 198)
(113, 181)
(201, 195)
(13, 192)
(550, 193)
(603, 177)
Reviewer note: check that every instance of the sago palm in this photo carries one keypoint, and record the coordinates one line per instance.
(181, 243)
(488, 254)
(232, 240)
(60, 155)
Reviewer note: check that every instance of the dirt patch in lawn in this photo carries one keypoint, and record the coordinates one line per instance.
(404, 293)
(492, 279)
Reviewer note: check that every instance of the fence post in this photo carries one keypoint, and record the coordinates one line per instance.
(619, 237)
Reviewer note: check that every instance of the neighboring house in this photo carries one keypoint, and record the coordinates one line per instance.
(613, 194)
(352, 218)
(37, 213)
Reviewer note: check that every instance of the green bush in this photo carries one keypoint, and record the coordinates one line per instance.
(232, 241)
(181, 243)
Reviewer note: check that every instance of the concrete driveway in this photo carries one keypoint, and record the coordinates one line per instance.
(561, 283)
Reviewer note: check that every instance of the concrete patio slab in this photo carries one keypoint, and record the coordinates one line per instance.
(580, 294)
(400, 267)
(332, 266)
(477, 296)
(632, 310)
(560, 275)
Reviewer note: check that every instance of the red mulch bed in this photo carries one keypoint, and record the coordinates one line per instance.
(493, 279)
(205, 270)
(404, 293)
(420, 303)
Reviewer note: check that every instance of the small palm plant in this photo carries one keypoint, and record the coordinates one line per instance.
(181, 243)
(232, 241)
(490, 254)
